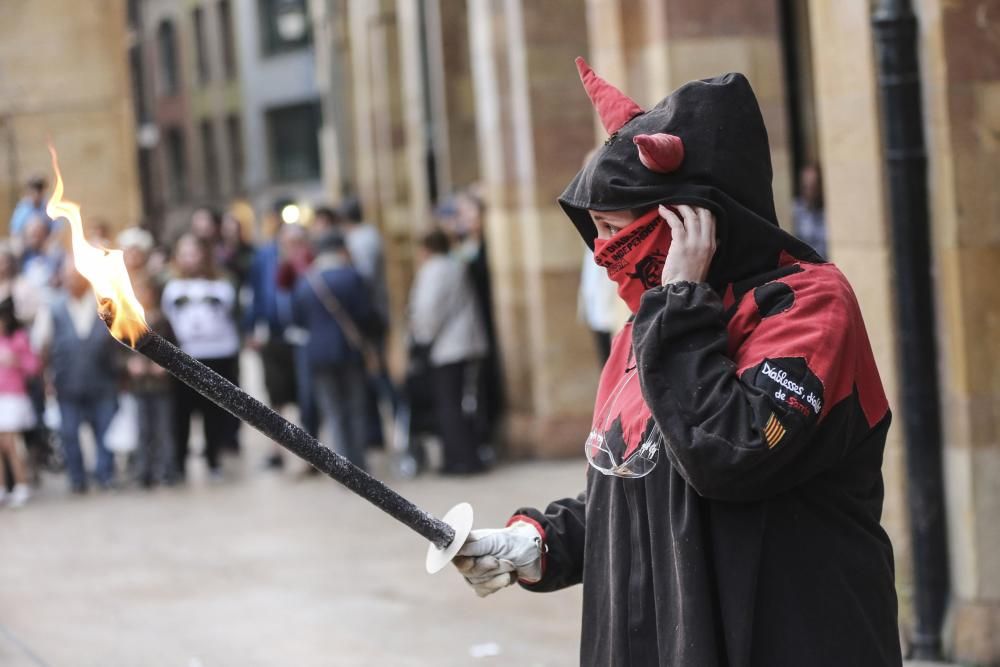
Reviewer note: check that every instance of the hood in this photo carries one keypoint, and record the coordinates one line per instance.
(705, 144)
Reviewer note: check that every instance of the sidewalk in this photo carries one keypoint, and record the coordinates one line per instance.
(267, 570)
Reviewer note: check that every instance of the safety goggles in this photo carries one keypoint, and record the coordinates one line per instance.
(603, 457)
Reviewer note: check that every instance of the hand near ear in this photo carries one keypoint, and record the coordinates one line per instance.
(692, 244)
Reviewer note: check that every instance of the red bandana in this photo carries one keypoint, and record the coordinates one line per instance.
(634, 256)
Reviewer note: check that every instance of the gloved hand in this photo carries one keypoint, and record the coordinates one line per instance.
(495, 558)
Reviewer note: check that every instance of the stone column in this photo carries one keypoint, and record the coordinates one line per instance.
(857, 223)
(534, 127)
(650, 47)
(961, 71)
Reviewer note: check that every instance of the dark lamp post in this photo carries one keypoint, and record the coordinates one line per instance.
(895, 28)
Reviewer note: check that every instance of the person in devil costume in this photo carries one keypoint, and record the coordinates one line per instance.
(731, 513)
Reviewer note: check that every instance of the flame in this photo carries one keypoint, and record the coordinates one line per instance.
(104, 269)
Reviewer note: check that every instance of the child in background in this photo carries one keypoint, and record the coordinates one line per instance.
(17, 363)
(153, 391)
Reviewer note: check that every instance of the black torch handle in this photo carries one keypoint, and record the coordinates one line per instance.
(232, 399)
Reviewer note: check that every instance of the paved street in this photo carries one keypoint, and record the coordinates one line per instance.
(266, 569)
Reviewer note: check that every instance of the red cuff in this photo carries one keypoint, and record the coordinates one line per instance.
(541, 531)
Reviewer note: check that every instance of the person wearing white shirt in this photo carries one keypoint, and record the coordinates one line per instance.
(201, 307)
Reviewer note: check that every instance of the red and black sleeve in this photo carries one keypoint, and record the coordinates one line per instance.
(739, 399)
(562, 526)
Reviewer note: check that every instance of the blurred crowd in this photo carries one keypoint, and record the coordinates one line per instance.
(310, 299)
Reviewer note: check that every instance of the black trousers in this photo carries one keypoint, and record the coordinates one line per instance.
(456, 425)
(220, 427)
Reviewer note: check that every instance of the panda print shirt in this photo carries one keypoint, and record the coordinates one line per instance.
(202, 314)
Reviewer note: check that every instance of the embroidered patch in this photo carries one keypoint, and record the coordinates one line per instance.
(791, 384)
(773, 431)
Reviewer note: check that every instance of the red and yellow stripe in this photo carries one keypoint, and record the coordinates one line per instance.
(773, 431)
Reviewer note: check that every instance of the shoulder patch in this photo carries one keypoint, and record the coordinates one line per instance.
(774, 431)
(741, 288)
(773, 298)
(791, 385)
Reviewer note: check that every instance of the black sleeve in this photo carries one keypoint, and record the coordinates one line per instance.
(563, 529)
(736, 435)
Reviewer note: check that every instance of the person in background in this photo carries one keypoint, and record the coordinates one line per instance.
(200, 305)
(332, 304)
(25, 300)
(364, 243)
(99, 233)
(808, 217)
(16, 288)
(31, 206)
(295, 255)
(41, 261)
(266, 320)
(470, 211)
(158, 266)
(324, 221)
(206, 226)
(597, 299)
(80, 357)
(136, 245)
(444, 321)
(156, 456)
(234, 253)
(17, 363)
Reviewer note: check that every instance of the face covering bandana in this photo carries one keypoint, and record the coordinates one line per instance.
(634, 256)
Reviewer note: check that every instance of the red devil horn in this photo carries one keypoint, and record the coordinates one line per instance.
(613, 106)
(662, 153)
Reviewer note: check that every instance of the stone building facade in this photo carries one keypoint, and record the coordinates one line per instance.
(64, 78)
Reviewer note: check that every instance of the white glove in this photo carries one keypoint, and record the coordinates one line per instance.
(495, 558)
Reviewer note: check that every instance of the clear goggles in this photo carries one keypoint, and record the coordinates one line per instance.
(603, 457)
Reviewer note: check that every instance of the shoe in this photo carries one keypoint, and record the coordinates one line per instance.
(3, 495)
(274, 462)
(19, 496)
(462, 470)
(79, 489)
(215, 475)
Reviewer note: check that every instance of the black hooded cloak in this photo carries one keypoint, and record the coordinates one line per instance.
(756, 541)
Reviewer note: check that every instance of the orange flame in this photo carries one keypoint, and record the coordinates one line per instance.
(104, 269)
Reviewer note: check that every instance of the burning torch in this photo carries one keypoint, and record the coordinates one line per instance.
(123, 314)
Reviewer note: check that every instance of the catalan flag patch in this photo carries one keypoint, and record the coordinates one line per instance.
(773, 431)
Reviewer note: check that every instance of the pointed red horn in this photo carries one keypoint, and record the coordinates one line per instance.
(662, 153)
(613, 106)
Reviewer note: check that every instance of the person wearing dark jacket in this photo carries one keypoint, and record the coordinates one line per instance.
(731, 513)
(332, 303)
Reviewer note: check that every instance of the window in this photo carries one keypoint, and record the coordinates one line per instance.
(234, 134)
(293, 142)
(200, 52)
(284, 25)
(210, 159)
(166, 40)
(176, 164)
(226, 35)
